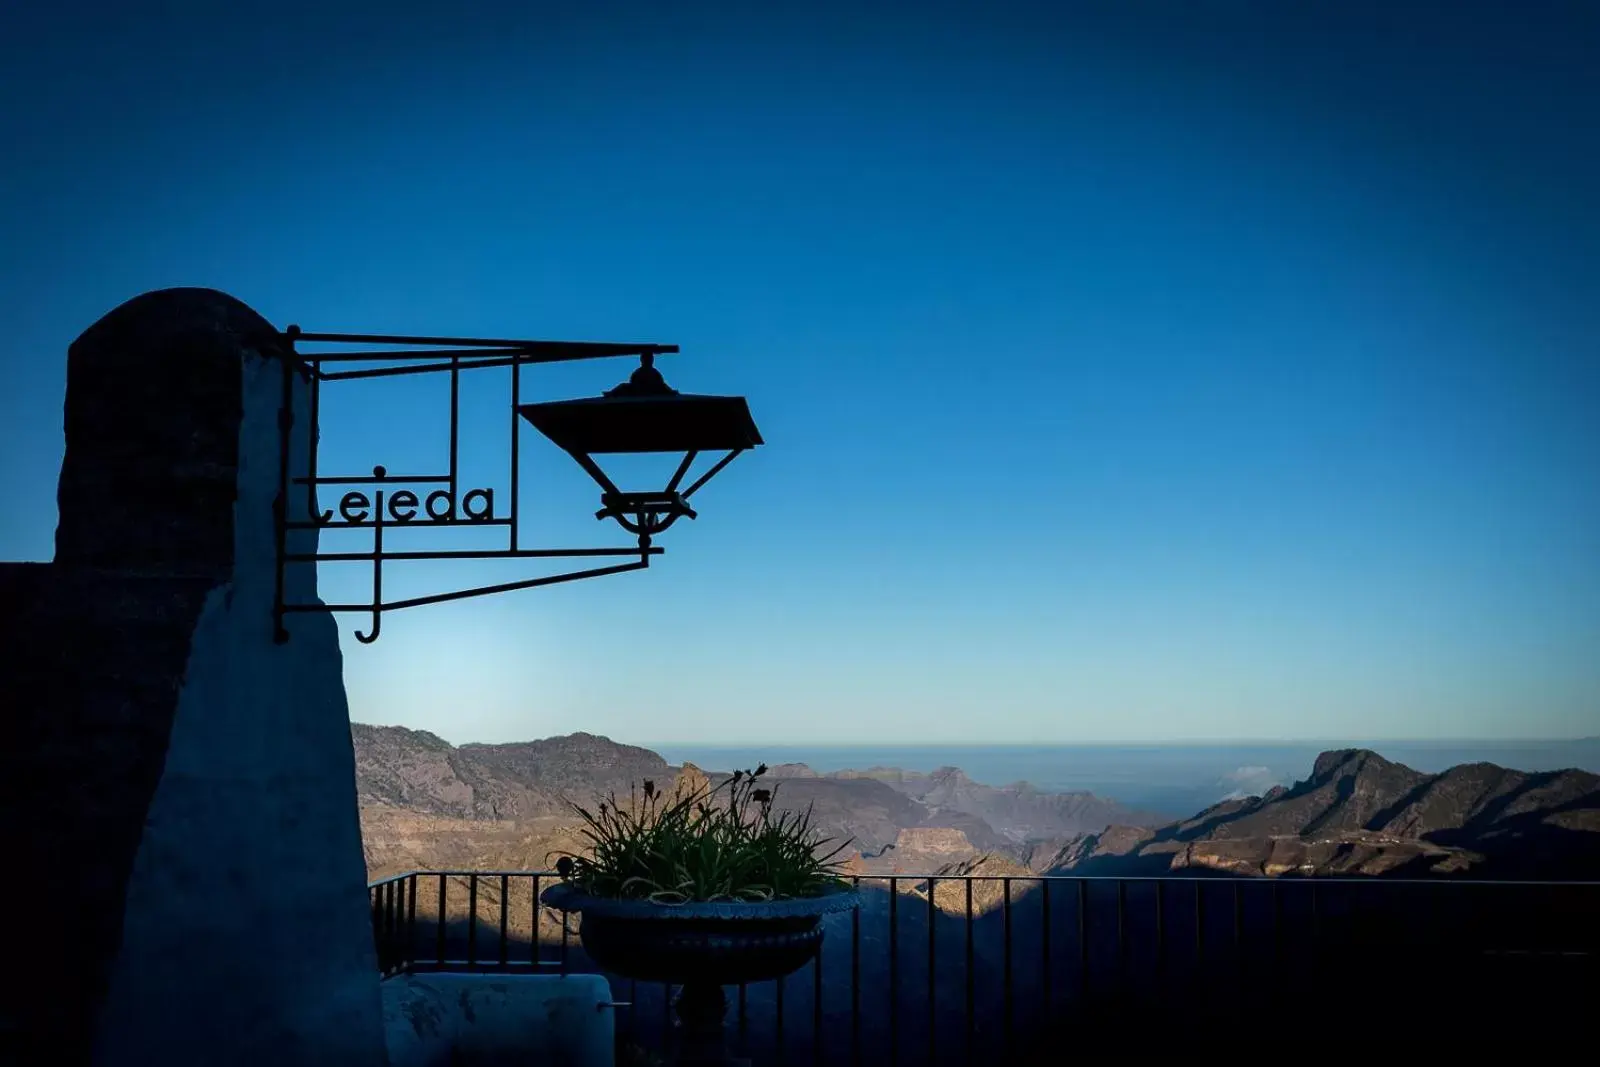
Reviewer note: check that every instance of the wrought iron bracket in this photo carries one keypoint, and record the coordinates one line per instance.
(386, 500)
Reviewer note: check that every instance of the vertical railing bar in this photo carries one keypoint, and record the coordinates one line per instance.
(1010, 1002)
(397, 904)
(1083, 941)
(1123, 978)
(933, 989)
(411, 923)
(472, 920)
(399, 923)
(1161, 938)
(441, 931)
(855, 978)
(533, 955)
(894, 971)
(505, 902)
(380, 925)
(1044, 945)
(380, 920)
(382, 911)
(1199, 934)
(972, 980)
(1316, 941)
(1277, 938)
(392, 922)
(375, 920)
(1238, 933)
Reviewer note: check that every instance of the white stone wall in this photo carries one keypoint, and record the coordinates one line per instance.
(247, 936)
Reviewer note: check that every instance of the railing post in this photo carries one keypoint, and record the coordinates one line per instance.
(440, 932)
(1161, 938)
(1010, 1003)
(411, 921)
(1240, 971)
(1044, 946)
(373, 893)
(894, 971)
(1083, 944)
(472, 920)
(933, 970)
(855, 979)
(533, 952)
(972, 978)
(505, 903)
(391, 922)
(1124, 981)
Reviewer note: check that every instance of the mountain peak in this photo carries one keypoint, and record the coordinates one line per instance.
(1341, 761)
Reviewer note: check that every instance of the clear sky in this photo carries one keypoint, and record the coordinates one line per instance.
(1169, 376)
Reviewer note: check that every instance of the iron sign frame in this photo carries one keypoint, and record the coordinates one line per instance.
(412, 355)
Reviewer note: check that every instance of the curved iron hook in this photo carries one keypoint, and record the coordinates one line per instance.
(377, 625)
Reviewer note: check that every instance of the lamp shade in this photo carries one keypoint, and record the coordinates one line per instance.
(661, 422)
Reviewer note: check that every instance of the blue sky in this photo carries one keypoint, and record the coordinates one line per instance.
(1184, 376)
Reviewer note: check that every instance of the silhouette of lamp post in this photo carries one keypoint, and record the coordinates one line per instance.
(645, 415)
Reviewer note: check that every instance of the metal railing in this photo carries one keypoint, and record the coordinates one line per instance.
(974, 968)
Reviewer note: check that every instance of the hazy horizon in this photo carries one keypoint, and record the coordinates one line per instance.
(1200, 372)
(875, 742)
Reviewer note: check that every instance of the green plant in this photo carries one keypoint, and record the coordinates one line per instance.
(722, 843)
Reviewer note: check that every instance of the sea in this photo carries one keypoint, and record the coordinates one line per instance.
(1173, 780)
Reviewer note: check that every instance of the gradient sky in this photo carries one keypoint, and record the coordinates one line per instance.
(1224, 371)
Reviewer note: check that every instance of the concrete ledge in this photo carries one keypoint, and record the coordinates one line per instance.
(463, 1020)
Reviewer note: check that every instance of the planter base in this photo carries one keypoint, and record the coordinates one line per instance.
(702, 1009)
(702, 947)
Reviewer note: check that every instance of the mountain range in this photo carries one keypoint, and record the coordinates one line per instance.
(426, 803)
(1360, 814)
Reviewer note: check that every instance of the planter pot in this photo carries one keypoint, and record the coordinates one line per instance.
(701, 947)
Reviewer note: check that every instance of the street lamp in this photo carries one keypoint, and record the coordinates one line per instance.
(644, 415)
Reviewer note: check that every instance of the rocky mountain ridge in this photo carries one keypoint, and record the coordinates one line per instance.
(411, 783)
(414, 770)
(425, 802)
(1360, 814)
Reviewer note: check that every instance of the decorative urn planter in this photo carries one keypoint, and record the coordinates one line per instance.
(702, 947)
